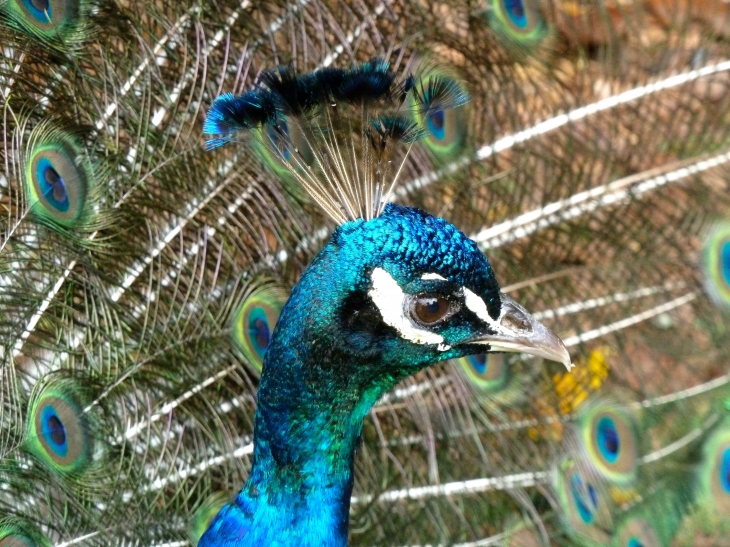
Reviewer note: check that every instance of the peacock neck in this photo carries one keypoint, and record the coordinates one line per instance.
(303, 458)
(329, 359)
(308, 422)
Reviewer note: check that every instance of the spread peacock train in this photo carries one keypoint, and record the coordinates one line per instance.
(292, 245)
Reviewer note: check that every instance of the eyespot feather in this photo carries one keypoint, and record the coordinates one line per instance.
(56, 23)
(714, 473)
(586, 508)
(58, 177)
(497, 380)
(283, 146)
(610, 438)
(518, 24)
(437, 103)
(715, 264)
(59, 430)
(254, 320)
(15, 533)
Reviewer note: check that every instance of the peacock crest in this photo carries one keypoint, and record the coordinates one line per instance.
(298, 120)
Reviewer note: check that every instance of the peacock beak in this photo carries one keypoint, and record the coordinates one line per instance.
(518, 331)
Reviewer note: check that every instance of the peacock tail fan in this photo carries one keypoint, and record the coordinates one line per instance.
(140, 273)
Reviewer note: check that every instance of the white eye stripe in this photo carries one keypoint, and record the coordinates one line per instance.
(387, 295)
(477, 305)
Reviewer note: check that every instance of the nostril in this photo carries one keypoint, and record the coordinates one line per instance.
(515, 321)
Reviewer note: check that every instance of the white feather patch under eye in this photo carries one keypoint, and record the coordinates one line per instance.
(430, 276)
(389, 298)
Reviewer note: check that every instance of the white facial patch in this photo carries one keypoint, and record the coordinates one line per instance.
(390, 298)
(434, 276)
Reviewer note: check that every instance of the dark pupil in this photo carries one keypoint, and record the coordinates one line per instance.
(611, 439)
(261, 330)
(516, 8)
(58, 432)
(54, 180)
(40, 5)
(436, 118)
(593, 496)
(430, 309)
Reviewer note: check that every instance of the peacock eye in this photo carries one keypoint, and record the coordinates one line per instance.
(429, 309)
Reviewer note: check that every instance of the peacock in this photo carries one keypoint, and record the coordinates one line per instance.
(266, 267)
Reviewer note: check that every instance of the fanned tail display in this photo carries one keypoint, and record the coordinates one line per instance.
(171, 169)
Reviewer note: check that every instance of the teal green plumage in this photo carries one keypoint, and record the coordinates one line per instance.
(124, 272)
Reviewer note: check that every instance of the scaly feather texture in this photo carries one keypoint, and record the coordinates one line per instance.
(141, 275)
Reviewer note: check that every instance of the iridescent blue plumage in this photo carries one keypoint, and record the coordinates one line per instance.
(229, 114)
(333, 355)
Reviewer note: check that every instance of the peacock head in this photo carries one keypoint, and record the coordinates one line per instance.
(396, 289)
(405, 290)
